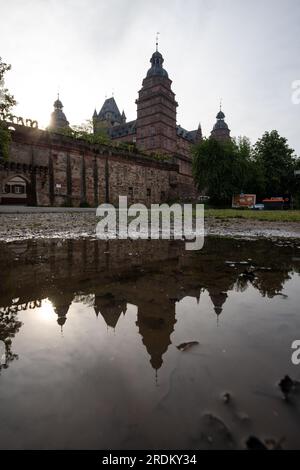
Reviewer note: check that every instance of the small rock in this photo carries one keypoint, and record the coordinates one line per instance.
(286, 385)
(185, 346)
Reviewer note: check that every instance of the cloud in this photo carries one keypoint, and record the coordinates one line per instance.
(246, 53)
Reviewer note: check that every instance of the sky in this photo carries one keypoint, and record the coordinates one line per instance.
(243, 53)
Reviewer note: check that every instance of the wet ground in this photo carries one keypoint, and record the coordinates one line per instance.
(81, 223)
(128, 345)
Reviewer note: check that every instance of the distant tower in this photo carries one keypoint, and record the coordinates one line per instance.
(61, 304)
(123, 117)
(218, 300)
(156, 110)
(199, 136)
(221, 130)
(58, 118)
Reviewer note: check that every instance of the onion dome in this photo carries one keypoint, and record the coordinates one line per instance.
(221, 130)
(220, 124)
(58, 117)
(157, 69)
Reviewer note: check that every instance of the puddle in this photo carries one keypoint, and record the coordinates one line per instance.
(134, 345)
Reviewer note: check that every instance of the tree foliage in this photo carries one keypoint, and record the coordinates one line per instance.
(277, 164)
(267, 169)
(220, 168)
(7, 101)
(85, 133)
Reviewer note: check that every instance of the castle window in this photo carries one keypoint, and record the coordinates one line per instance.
(148, 192)
(162, 195)
(130, 191)
(18, 189)
(15, 185)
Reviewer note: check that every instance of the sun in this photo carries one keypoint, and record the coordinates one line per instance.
(46, 311)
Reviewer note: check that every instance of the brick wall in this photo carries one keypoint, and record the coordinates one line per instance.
(60, 171)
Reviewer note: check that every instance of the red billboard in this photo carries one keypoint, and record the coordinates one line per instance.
(243, 200)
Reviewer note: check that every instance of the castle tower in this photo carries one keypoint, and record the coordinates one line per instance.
(156, 326)
(221, 130)
(156, 110)
(218, 299)
(58, 118)
(61, 304)
(109, 116)
(199, 135)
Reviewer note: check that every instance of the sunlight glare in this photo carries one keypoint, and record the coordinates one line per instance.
(46, 312)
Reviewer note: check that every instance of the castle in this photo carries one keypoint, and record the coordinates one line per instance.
(50, 168)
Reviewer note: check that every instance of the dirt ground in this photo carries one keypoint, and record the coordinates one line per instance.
(76, 225)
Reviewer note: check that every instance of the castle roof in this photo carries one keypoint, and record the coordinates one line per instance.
(58, 117)
(188, 135)
(58, 104)
(220, 124)
(220, 115)
(157, 69)
(128, 128)
(110, 107)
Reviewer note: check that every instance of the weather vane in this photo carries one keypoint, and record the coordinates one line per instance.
(157, 37)
(221, 104)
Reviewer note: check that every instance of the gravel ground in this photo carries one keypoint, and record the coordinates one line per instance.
(83, 224)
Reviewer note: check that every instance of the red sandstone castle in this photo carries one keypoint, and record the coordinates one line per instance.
(47, 168)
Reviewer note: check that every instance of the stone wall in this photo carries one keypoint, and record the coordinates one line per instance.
(62, 171)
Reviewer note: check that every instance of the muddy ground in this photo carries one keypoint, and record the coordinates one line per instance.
(76, 224)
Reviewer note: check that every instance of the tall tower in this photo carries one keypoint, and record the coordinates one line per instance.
(156, 110)
(58, 117)
(221, 130)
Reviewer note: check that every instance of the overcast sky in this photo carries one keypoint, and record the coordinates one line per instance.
(245, 52)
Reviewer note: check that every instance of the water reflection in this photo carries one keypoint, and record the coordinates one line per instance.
(153, 276)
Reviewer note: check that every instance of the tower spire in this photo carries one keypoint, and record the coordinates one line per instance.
(220, 130)
(157, 38)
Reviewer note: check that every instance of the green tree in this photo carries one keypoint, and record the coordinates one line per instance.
(276, 161)
(296, 185)
(220, 169)
(84, 128)
(7, 101)
(254, 181)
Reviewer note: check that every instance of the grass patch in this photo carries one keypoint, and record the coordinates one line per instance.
(272, 216)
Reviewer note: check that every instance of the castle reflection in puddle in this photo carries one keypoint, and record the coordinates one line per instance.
(152, 275)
